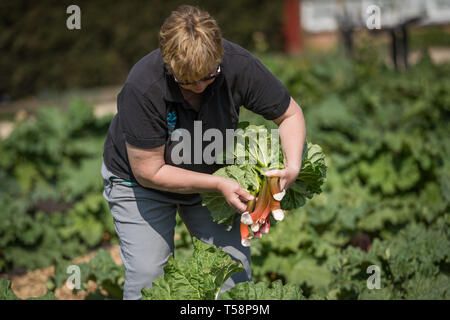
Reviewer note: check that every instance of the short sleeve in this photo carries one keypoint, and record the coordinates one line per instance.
(261, 91)
(141, 122)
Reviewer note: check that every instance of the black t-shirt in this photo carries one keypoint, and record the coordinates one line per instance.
(151, 107)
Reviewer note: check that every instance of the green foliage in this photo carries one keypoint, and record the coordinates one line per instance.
(431, 36)
(246, 176)
(309, 181)
(261, 291)
(198, 277)
(201, 276)
(385, 140)
(51, 203)
(101, 269)
(413, 266)
(110, 40)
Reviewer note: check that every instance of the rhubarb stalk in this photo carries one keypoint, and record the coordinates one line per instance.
(245, 235)
(277, 212)
(262, 204)
(275, 188)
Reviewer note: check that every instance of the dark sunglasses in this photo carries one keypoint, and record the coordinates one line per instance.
(211, 76)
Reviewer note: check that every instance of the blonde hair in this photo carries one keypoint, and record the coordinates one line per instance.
(191, 43)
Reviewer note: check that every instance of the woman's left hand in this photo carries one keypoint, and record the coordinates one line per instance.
(287, 176)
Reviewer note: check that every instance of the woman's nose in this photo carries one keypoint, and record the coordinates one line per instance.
(200, 85)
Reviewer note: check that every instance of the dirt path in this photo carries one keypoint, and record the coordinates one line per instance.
(34, 283)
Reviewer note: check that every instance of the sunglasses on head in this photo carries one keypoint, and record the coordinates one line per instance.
(211, 76)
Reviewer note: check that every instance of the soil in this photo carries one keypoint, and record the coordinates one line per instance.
(34, 283)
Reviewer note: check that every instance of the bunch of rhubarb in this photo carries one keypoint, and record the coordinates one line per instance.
(257, 216)
(270, 200)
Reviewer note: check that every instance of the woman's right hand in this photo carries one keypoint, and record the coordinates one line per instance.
(234, 194)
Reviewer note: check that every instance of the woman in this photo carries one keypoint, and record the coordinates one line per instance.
(195, 75)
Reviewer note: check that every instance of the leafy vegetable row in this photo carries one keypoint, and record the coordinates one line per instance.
(201, 276)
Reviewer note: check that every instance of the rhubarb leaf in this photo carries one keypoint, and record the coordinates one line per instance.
(254, 142)
(261, 291)
(246, 176)
(199, 277)
(309, 181)
(6, 293)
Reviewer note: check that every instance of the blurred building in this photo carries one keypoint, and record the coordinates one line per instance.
(321, 21)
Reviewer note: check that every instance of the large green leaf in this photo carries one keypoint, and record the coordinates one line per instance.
(262, 291)
(309, 181)
(199, 277)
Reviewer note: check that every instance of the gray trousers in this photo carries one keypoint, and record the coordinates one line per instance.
(145, 224)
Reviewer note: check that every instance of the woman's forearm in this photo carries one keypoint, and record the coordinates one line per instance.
(151, 172)
(178, 180)
(292, 132)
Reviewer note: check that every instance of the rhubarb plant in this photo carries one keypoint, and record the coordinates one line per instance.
(262, 291)
(201, 276)
(256, 152)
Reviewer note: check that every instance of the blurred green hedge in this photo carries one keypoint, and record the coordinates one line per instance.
(39, 53)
